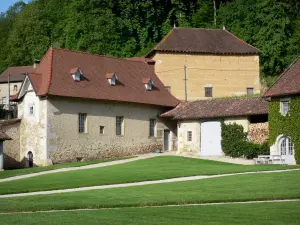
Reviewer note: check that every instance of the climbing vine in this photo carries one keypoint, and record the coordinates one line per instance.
(288, 125)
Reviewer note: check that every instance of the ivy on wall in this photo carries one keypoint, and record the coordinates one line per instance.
(288, 125)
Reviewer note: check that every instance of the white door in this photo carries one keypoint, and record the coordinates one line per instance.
(210, 139)
(286, 150)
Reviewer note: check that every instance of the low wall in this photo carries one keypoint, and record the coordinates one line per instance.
(258, 132)
(97, 150)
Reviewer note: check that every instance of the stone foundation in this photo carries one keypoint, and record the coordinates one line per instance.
(93, 152)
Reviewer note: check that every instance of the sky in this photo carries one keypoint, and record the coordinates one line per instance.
(4, 4)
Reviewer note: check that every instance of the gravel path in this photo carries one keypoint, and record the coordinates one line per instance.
(139, 207)
(137, 183)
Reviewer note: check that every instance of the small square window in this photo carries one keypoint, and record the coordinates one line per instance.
(284, 107)
(119, 125)
(31, 110)
(208, 91)
(101, 129)
(189, 136)
(82, 122)
(250, 91)
(152, 127)
(15, 87)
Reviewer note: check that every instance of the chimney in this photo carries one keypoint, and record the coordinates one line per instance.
(36, 63)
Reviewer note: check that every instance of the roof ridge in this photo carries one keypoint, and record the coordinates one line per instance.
(51, 52)
(197, 28)
(282, 74)
(159, 43)
(92, 54)
(228, 98)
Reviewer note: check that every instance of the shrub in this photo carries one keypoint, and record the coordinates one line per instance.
(234, 143)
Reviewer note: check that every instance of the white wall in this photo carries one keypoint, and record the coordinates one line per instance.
(193, 147)
(33, 127)
(240, 121)
(185, 146)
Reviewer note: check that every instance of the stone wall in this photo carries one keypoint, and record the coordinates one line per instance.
(258, 132)
(11, 147)
(228, 75)
(65, 143)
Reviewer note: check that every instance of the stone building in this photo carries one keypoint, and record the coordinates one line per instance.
(284, 115)
(199, 122)
(16, 76)
(77, 105)
(196, 63)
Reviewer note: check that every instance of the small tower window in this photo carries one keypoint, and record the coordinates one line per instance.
(148, 84)
(112, 78)
(76, 73)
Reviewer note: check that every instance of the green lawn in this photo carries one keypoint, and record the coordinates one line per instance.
(284, 185)
(156, 168)
(246, 214)
(17, 172)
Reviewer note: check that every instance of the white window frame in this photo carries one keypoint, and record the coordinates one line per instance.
(284, 106)
(286, 146)
(189, 136)
(113, 80)
(152, 128)
(77, 75)
(120, 125)
(149, 85)
(82, 123)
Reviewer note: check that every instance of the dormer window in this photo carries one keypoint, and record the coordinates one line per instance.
(76, 73)
(148, 83)
(112, 78)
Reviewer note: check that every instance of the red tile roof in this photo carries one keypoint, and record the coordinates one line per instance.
(288, 83)
(146, 80)
(199, 40)
(50, 78)
(109, 75)
(218, 108)
(74, 70)
(16, 73)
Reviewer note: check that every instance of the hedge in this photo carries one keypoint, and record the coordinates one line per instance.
(288, 125)
(234, 143)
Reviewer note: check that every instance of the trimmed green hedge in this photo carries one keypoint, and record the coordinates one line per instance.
(288, 125)
(235, 144)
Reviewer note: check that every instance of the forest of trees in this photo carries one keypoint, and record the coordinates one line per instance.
(127, 28)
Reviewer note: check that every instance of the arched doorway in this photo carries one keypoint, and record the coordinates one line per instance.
(286, 149)
(30, 159)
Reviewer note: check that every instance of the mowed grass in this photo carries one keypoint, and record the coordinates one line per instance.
(246, 214)
(156, 168)
(250, 187)
(18, 172)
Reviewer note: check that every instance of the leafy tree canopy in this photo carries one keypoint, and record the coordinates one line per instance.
(127, 28)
